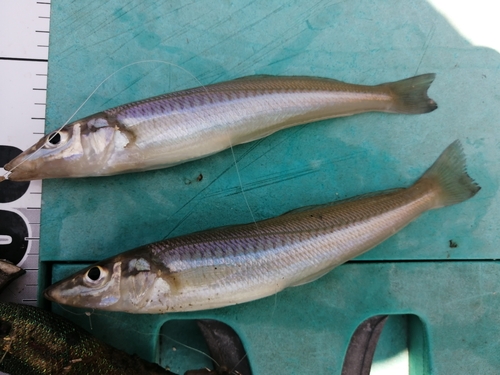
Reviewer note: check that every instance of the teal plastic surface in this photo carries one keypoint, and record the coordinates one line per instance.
(365, 42)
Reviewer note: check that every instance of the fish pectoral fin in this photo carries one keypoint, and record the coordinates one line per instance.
(315, 276)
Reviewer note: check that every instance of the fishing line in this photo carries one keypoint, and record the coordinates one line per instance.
(54, 133)
(233, 370)
(190, 348)
(241, 185)
(132, 329)
(71, 312)
(160, 335)
(430, 35)
(89, 314)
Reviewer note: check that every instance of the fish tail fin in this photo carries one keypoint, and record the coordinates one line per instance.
(410, 95)
(450, 176)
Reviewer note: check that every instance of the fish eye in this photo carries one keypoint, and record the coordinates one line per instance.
(94, 275)
(56, 138)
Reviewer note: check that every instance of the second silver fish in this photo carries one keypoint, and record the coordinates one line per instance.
(241, 263)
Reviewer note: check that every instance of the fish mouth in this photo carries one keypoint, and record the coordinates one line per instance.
(27, 168)
(8, 167)
(55, 293)
(19, 170)
(19, 160)
(49, 294)
(8, 170)
(17, 174)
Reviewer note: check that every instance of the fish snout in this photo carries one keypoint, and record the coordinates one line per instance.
(59, 292)
(21, 168)
(51, 294)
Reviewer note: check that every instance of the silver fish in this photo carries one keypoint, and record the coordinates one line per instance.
(236, 264)
(174, 128)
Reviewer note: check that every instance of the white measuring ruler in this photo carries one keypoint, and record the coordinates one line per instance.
(24, 30)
